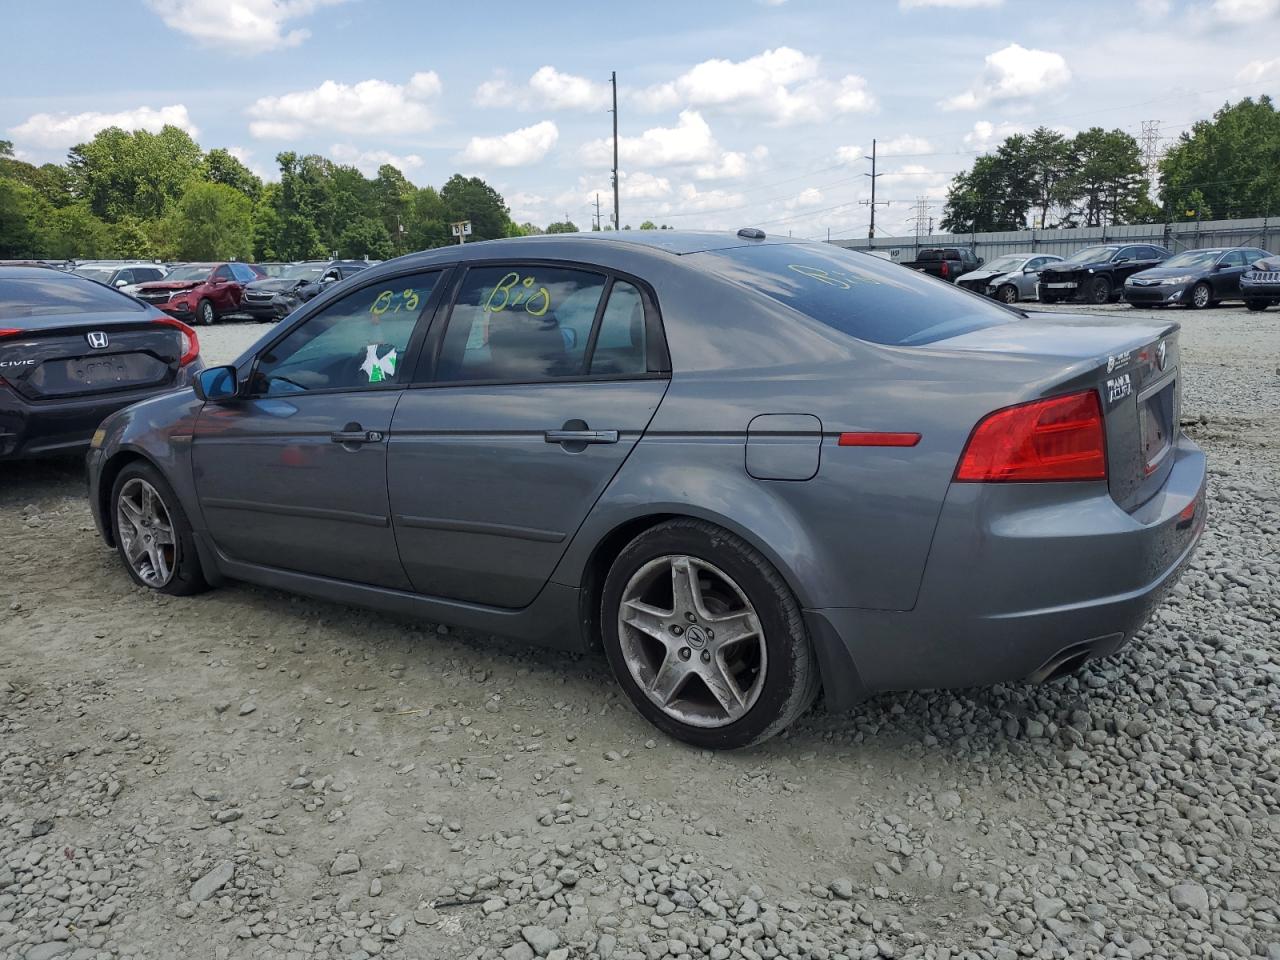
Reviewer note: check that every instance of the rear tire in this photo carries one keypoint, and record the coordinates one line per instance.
(1007, 293)
(1201, 296)
(1099, 291)
(152, 533)
(1257, 306)
(204, 313)
(756, 684)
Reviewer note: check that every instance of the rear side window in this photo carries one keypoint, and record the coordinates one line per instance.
(619, 348)
(857, 294)
(520, 324)
(59, 294)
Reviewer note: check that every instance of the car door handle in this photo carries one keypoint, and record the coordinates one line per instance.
(356, 436)
(581, 436)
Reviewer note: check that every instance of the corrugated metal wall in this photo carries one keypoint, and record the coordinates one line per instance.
(1263, 232)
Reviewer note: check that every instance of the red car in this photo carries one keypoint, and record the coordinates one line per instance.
(200, 292)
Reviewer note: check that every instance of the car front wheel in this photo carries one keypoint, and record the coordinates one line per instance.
(1007, 293)
(1201, 296)
(705, 637)
(204, 313)
(152, 534)
(1256, 305)
(1099, 290)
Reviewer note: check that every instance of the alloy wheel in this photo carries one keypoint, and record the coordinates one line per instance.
(692, 641)
(1007, 294)
(1200, 296)
(146, 533)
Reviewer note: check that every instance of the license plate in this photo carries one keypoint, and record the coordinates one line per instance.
(1061, 286)
(1156, 423)
(94, 372)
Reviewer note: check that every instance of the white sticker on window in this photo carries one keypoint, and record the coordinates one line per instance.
(377, 368)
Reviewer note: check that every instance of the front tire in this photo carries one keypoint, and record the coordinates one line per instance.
(1099, 291)
(705, 637)
(204, 313)
(1007, 293)
(152, 533)
(1201, 296)
(1257, 306)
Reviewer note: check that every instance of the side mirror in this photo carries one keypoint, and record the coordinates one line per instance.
(328, 278)
(981, 261)
(1122, 260)
(216, 385)
(122, 282)
(1221, 265)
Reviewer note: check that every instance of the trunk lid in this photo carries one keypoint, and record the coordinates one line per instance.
(75, 356)
(1135, 367)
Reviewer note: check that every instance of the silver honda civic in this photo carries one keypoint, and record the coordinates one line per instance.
(750, 469)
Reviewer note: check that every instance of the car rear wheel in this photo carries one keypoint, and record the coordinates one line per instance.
(1007, 293)
(1201, 296)
(204, 313)
(1099, 290)
(1256, 305)
(152, 534)
(705, 637)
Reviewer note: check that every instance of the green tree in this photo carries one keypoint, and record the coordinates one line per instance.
(365, 237)
(562, 226)
(648, 225)
(213, 221)
(137, 174)
(427, 225)
(221, 167)
(20, 209)
(393, 197)
(74, 231)
(1106, 182)
(531, 229)
(470, 198)
(1228, 166)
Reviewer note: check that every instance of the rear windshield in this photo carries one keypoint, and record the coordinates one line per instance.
(59, 295)
(857, 294)
(939, 255)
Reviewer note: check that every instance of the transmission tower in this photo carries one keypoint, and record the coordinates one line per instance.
(922, 219)
(1151, 153)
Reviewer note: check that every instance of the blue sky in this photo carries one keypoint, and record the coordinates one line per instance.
(732, 112)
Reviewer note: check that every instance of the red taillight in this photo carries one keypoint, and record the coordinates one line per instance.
(9, 331)
(946, 270)
(879, 439)
(191, 343)
(1061, 438)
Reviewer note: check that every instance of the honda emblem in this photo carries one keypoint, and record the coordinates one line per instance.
(97, 339)
(1162, 354)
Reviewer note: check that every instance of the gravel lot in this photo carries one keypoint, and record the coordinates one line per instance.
(249, 774)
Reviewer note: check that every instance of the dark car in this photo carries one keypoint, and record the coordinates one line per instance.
(273, 268)
(73, 351)
(200, 292)
(1260, 284)
(1194, 278)
(1097, 274)
(332, 271)
(945, 263)
(747, 468)
(121, 274)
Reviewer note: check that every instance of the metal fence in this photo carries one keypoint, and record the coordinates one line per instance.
(1263, 232)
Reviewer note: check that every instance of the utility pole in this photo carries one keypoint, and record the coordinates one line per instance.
(871, 232)
(613, 79)
(597, 211)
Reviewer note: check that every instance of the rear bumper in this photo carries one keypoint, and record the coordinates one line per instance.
(1155, 295)
(54, 427)
(1019, 584)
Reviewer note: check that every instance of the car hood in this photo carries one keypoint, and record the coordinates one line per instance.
(979, 275)
(1159, 273)
(170, 284)
(1073, 267)
(1266, 265)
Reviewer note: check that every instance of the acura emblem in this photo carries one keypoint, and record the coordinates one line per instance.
(97, 339)
(1162, 354)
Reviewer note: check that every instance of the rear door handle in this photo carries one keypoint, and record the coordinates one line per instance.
(581, 436)
(356, 436)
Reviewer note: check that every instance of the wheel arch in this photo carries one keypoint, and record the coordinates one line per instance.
(106, 483)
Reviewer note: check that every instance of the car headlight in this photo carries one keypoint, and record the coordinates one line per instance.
(99, 435)
(1175, 280)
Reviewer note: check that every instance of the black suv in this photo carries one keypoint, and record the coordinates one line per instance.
(1097, 274)
(274, 297)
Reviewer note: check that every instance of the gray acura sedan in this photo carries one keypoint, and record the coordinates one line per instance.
(748, 468)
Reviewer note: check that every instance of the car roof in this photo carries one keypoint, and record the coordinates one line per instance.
(678, 242)
(28, 272)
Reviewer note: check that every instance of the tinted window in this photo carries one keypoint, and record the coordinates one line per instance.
(861, 296)
(351, 344)
(59, 294)
(520, 324)
(149, 273)
(190, 271)
(223, 273)
(1235, 258)
(243, 272)
(125, 275)
(619, 348)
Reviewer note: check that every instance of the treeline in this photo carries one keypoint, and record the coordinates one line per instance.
(1228, 166)
(159, 195)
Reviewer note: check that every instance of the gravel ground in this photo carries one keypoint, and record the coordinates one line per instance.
(249, 774)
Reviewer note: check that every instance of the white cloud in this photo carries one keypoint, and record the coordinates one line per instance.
(783, 85)
(240, 26)
(689, 141)
(515, 149)
(986, 134)
(54, 130)
(368, 161)
(644, 186)
(729, 166)
(958, 4)
(1256, 71)
(370, 106)
(1154, 8)
(808, 197)
(904, 145)
(547, 89)
(1014, 73)
(1244, 12)
(246, 156)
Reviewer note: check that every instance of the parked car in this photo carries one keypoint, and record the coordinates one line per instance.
(273, 297)
(200, 292)
(1009, 278)
(288, 299)
(1097, 274)
(273, 268)
(946, 263)
(122, 275)
(73, 351)
(708, 453)
(1194, 278)
(1260, 284)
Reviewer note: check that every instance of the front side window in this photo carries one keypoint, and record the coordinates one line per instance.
(1235, 258)
(521, 324)
(353, 344)
(223, 273)
(243, 273)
